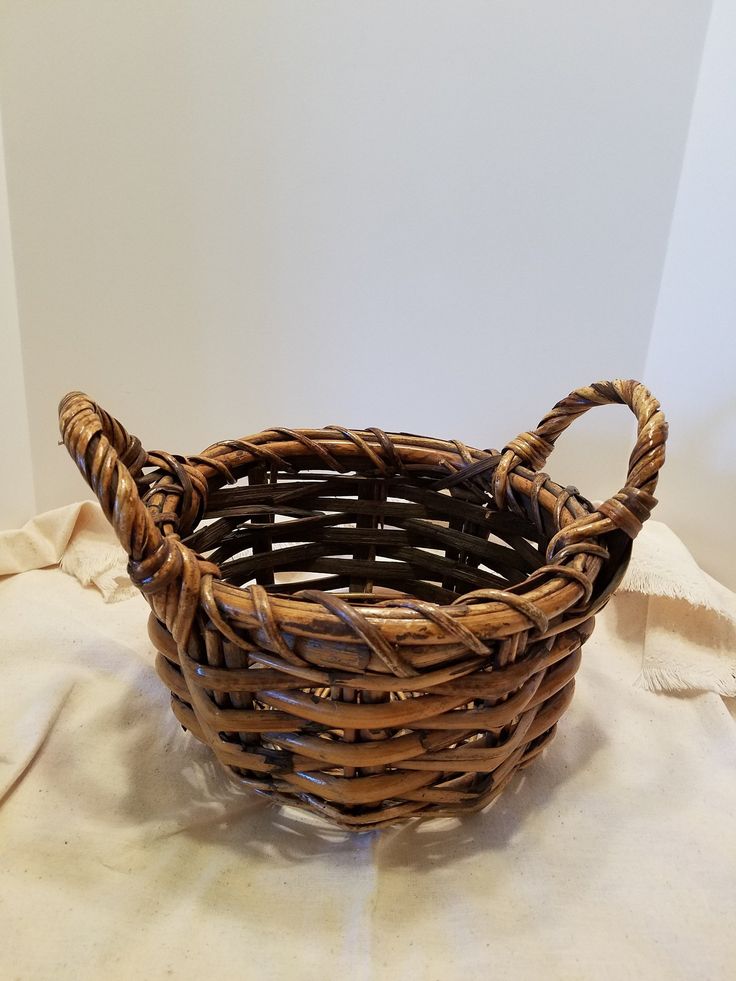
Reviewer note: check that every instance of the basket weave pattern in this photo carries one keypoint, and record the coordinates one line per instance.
(374, 626)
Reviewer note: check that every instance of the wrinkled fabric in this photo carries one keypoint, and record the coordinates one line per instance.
(690, 640)
(79, 538)
(126, 852)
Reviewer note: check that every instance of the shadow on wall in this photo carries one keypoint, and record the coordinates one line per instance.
(698, 487)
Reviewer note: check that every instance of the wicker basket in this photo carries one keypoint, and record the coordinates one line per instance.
(374, 626)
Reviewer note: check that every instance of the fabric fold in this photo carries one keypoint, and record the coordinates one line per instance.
(77, 537)
(690, 639)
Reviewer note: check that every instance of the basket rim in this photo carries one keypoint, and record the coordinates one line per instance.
(553, 594)
(155, 499)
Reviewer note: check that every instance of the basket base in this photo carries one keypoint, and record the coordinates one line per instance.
(448, 774)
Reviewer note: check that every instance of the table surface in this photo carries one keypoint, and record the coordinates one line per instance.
(125, 852)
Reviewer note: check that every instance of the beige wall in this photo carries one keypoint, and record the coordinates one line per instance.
(17, 497)
(425, 216)
(692, 358)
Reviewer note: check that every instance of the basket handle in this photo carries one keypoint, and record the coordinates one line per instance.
(111, 461)
(631, 506)
(110, 458)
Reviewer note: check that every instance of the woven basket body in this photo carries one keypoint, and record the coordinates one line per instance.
(373, 626)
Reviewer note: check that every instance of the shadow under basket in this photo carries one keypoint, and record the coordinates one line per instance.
(373, 626)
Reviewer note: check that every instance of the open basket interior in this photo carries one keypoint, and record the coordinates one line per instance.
(428, 530)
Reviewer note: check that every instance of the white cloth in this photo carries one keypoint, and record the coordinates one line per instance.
(124, 852)
(690, 638)
(79, 538)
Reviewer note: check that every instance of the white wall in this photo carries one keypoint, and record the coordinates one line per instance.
(427, 216)
(17, 497)
(692, 359)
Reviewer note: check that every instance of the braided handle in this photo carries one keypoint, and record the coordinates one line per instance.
(109, 459)
(632, 505)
